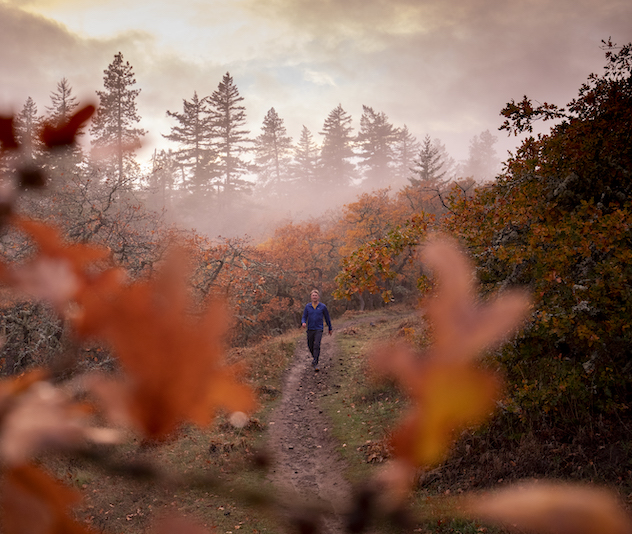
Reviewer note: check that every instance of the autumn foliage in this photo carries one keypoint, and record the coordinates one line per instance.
(558, 221)
(550, 223)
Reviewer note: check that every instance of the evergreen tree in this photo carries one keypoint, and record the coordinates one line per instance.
(376, 140)
(336, 152)
(114, 125)
(63, 103)
(405, 149)
(429, 165)
(228, 118)
(164, 166)
(63, 164)
(27, 126)
(482, 163)
(193, 136)
(272, 152)
(305, 157)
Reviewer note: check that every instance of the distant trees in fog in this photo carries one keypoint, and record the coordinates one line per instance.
(214, 159)
(482, 162)
(191, 135)
(336, 167)
(210, 142)
(231, 141)
(376, 143)
(273, 152)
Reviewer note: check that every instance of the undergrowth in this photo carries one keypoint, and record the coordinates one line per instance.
(119, 504)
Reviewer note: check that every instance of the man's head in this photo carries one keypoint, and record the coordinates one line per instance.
(315, 296)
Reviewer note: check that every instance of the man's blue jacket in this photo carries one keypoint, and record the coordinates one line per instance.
(314, 316)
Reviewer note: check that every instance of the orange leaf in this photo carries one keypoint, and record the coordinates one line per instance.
(551, 507)
(463, 327)
(448, 391)
(174, 361)
(33, 502)
(40, 416)
(446, 398)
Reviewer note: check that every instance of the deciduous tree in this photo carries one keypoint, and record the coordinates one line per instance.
(559, 221)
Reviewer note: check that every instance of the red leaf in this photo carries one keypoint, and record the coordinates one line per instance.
(7, 134)
(65, 134)
(33, 502)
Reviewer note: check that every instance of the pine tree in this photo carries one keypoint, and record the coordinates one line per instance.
(63, 103)
(305, 158)
(272, 152)
(429, 164)
(376, 140)
(193, 135)
(482, 163)
(405, 149)
(64, 164)
(114, 127)
(161, 180)
(336, 152)
(228, 117)
(27, 126)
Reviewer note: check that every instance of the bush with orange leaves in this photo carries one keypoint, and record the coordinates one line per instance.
(450, 392)
(173, 371)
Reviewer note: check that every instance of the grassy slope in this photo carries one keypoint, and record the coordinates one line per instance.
(114, 503)
(370, 408)
(362, 414)
(480, 458)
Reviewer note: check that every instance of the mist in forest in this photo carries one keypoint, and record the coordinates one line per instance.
(330, 100)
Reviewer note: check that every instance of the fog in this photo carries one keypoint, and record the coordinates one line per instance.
(443, 69)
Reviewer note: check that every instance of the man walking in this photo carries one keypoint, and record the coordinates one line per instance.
(313, 315)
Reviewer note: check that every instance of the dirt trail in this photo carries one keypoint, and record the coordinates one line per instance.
(307, 465)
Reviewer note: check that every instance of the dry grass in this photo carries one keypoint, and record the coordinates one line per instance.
(144, 490)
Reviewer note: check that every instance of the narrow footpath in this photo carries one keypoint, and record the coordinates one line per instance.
(307, 466)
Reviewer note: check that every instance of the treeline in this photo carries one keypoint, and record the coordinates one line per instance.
(215, 164)
(105, 197)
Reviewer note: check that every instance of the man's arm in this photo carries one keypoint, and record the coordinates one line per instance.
(304, 319)
(327, 319)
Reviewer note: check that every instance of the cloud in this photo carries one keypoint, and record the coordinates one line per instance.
(319, 78)
(443, 68)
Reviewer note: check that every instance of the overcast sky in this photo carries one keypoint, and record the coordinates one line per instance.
(444, 68)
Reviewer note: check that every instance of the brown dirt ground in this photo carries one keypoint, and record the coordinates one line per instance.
(307, 467)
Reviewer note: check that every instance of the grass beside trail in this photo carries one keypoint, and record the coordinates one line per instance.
(362, 414)
(367, 409)
(130, 503)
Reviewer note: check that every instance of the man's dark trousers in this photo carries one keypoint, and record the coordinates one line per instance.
(313, 344)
